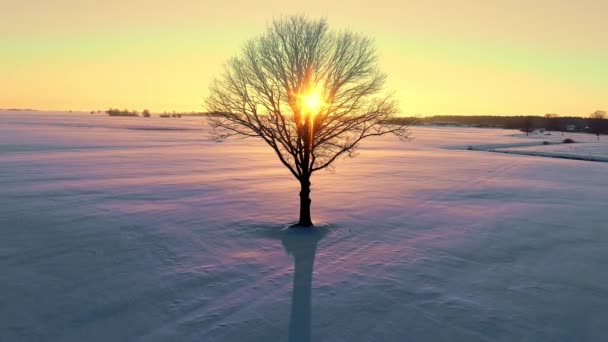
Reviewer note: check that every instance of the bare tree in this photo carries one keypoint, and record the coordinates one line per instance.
(310, 93)
(598, 122)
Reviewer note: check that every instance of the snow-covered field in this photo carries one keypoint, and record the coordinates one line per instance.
(552, 144)
(136, 229)
(587, 147)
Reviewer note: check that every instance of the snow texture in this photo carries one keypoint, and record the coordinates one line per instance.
(141, 229)
(585, 147)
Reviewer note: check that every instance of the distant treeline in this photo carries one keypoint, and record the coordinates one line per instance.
(180, 114)
(549, 122)
(597, 123)
(19, 109)
(125, 112)
(146, 113)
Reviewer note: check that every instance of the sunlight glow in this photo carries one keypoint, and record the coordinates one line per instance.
(312, 102)
(75, 54)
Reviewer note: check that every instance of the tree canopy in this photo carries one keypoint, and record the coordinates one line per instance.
(310, 93)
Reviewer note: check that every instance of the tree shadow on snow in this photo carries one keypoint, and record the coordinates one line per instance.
(301, 243)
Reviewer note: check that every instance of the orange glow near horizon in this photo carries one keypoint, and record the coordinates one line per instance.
(478, 57)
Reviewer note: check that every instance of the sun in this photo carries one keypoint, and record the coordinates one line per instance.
(313, 101)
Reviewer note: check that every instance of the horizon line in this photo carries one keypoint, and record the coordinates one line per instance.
(417, 115)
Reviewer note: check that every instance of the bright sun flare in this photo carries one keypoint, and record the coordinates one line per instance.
(313, 102)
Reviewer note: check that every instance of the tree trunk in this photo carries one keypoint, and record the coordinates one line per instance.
(305, 220)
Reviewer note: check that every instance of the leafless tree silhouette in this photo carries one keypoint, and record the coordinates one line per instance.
(310, 93)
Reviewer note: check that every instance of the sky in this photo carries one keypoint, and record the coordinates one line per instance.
(442, 57)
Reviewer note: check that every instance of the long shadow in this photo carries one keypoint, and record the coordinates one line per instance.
(301, 243)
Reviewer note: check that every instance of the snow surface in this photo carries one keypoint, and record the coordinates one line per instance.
(586, 146)
(140, 229)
